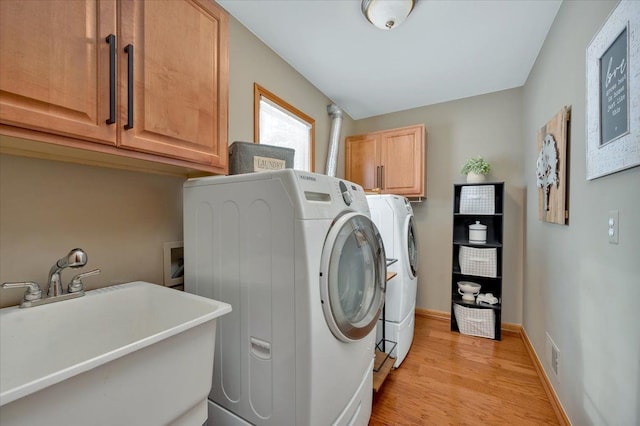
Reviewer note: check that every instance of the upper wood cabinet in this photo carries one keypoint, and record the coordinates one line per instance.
(389, 161)
(362, 160)
(180, 79)
(143, 79)
(54, 72)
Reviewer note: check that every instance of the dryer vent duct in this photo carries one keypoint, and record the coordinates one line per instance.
(334, 138)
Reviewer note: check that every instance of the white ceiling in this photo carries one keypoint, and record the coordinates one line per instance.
(445, 50)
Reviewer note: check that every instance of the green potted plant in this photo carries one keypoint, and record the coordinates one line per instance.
(476, 169)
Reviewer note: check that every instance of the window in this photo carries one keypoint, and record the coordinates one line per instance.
(275, 122)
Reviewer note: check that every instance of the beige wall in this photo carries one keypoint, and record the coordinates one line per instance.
(487, 125)
(120, 218)
(581, 290)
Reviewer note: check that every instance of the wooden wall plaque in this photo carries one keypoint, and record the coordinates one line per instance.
(551, 169)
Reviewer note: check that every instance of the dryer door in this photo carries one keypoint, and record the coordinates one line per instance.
(352, 277)
(412, 249)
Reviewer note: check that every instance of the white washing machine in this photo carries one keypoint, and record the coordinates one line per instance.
(393, 216)
(303, 266)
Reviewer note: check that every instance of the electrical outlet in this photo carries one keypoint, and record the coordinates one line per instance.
(555, 359)
(552, 355)
(614, 229)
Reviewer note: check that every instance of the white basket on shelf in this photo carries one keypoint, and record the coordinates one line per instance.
(475, 321)
(478, 261)
(477, 199)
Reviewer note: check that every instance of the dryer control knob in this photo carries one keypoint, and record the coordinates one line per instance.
(346, 196)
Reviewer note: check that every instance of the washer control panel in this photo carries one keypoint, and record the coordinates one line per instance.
(328, 192)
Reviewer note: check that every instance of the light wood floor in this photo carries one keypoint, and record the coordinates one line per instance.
(452, 379)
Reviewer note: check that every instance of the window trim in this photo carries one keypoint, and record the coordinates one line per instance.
(258, 92)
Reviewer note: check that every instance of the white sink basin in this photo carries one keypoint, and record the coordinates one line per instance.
(131, 354)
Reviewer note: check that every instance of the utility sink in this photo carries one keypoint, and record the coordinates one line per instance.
(130, 354)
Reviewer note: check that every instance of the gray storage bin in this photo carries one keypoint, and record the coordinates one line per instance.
(249, 157)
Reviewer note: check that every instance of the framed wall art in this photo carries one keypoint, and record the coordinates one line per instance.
(613, 93)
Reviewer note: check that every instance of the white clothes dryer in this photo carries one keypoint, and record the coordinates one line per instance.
(393, 216)
(303, 266)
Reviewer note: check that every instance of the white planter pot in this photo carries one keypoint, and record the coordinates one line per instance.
(475, 177)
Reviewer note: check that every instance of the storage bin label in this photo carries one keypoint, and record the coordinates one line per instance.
(264, 164)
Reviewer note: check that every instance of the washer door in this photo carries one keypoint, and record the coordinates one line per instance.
(352, 277)
(412, 249)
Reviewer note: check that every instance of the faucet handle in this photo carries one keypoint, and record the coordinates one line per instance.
(75, 285)
(33, 289)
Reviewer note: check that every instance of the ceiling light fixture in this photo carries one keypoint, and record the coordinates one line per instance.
(387, 14)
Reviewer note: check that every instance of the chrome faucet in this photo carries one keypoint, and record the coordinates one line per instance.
(76, 258)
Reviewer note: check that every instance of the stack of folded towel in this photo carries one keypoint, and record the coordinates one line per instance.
(487, 298)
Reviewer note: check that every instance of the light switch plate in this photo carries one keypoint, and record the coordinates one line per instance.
(614, 229)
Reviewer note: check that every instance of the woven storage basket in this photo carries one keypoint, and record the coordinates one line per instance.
(478, 261)
(477, 199)
(475, 322)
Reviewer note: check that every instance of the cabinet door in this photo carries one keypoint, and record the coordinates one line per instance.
(402, 157)
(180, 76)
(54, 71)
(362, 160)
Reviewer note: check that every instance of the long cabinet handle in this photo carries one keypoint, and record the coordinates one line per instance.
(111, 40)
(377, 185)
(129, 51)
